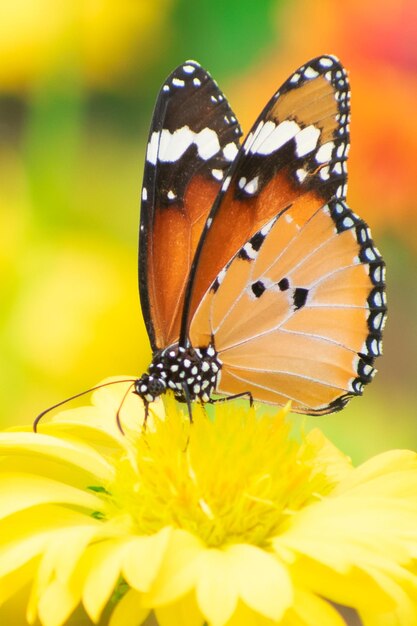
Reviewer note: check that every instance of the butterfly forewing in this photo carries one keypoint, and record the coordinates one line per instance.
(295, 154)
(193, 138)
(298, 312)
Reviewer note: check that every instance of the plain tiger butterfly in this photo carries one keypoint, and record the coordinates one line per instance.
(255, 277)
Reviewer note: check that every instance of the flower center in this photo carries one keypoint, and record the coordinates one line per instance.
(237, 477)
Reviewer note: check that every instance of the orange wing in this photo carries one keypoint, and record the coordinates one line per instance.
(193, 138)
(295, 154)
(298, 313)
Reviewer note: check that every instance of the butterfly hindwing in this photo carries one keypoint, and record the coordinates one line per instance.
(298, 313)
(193, 138)
(295, 154)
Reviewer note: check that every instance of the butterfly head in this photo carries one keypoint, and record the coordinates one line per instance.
(149, 387)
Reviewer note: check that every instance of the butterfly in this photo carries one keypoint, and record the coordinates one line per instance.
(255, 277)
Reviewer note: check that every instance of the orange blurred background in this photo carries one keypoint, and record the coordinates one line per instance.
(77, 85)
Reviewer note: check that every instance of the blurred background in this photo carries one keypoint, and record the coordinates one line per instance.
(78, 81)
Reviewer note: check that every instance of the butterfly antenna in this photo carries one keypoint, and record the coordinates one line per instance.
(78, 395)
(118, 422)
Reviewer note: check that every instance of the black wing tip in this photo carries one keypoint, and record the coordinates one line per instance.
(190, 62)
(326, 61)
(326, 65)
(332, 57)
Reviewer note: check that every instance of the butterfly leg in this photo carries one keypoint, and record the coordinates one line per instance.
(187, 397)
(145, 419)
(244, 394)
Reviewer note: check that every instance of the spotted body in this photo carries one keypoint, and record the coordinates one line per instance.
(255, 276)
(191, 373)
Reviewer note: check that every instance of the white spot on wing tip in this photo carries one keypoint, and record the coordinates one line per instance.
(324, 153)
(177, 82)
(310, 72)
(189, 69)
(144, 194)
(324, 173)
(327, 61)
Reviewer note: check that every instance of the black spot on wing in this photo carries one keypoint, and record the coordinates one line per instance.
(257, 241)
(258, 288)
(284, 284)
(243, 254)
(299, 297)
(252, 247)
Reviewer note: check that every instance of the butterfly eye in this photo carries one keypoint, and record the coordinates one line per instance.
(149, 387)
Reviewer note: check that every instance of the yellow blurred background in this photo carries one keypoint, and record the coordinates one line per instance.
(78, 80)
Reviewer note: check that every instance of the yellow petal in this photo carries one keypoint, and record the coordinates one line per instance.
(21, 491)
(183, 612)
(69, 546)
(25, 534)
(354, 588)
(216, 590)
(178, 571)
(21, 553)
(129, 610)
(397, 466)
(143, 559)
(262, 582)
(356, 531)
(314, 611)
(103, 565)
(15, 581)
(57, 603)
(75, 453)
(61, 554)
(404, 612)
(325, 456)
(244, 616)
(401, 586)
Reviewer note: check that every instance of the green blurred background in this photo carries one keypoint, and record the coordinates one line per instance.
(77, 85)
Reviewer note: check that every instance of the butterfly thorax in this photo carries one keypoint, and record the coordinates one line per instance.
(189, 372)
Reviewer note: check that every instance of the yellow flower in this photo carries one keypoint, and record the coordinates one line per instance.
(228, 521)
